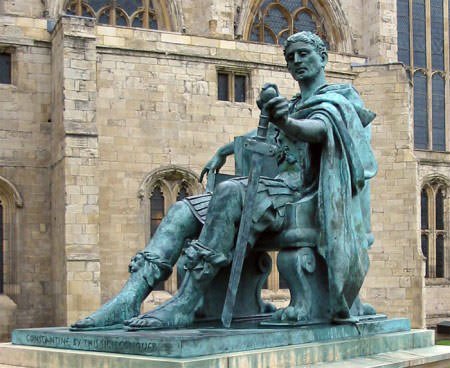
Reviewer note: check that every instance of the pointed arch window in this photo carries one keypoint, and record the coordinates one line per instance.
(156, 208)
(159, 191)
(421, 39)
(276, 20)
(127, 13)
(433, 228)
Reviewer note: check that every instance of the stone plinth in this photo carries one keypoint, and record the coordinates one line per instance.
(406, 349)
(188, 343)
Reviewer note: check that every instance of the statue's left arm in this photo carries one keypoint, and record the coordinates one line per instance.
(308, 130)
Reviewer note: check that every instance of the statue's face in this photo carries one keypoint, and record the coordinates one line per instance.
(304, 62)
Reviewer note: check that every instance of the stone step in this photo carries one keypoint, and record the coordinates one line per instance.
(406, 349)
(432, 357)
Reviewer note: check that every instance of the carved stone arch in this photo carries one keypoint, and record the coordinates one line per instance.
(435, 179)
(9, 189)
(434, 235)
(334, 22)
(168, 12)
(170, 172)
(175, 15)
(11, 201)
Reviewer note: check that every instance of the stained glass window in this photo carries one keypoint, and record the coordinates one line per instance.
(156, 209)
(437, 34)
(425, 62)
(438, 110)
(424, 241)
(134, 13)
(403, 31)
(424, 209)
(419, 34)
(420, 111)
(276, 20)
(440, 256)
(434, 232)
(439, 210)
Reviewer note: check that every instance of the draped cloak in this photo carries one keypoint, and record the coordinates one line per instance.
(347, 164)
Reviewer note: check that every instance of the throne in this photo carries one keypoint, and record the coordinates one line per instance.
(298, 261)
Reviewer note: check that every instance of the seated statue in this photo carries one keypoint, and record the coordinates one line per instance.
(322, 141)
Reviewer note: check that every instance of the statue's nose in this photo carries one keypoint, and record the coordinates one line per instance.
(297, 58)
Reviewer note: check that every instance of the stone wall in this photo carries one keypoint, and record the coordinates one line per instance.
(31, 8)
(75, 148)
(396, 278)
(24, 154)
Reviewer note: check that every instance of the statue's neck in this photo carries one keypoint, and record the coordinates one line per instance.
(308, 88)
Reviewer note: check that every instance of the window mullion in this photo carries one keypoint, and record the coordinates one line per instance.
(79, 8)
(429, 73)
(145, 20)
(432, 236)
(411, 36)
(112, 13)
(231, 87)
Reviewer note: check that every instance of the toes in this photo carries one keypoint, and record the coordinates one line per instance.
(84, 323)
(144, 322)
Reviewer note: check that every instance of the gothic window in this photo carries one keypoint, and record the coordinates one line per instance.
(127, 13)
(156, 208)
(276, 20)
(433, 228)
(421, 39)
(159, 191)
(10, 203)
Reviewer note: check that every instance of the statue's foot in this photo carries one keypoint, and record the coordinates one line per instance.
(110, 316)
(176, 313)
(343, 320)
(291, 314)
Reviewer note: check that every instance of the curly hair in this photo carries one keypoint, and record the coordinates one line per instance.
(306, 37)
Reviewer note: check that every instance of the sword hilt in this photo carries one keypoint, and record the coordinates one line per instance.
(268, 92)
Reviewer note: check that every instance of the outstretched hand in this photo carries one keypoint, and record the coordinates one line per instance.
(278, 110)
(213, 165)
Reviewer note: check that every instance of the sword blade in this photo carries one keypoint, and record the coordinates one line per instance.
(242, 239)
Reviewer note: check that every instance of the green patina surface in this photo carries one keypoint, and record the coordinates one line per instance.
(206, 341)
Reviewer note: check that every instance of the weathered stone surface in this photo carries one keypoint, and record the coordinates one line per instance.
(404, 351)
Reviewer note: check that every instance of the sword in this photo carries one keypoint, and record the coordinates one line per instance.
(260, 148)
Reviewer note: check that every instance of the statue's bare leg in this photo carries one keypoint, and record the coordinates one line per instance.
(205, 257)
(147, 268)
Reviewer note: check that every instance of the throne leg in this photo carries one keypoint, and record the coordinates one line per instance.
(293, 265)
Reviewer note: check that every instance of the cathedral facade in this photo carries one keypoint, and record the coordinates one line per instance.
(110, 108)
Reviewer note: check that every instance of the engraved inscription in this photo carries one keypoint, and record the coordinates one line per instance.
(95, 344)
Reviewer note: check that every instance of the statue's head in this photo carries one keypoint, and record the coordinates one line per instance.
(306, 55)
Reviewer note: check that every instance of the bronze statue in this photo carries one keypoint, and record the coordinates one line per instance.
(320, 140)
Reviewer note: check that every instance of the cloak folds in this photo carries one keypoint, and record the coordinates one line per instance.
(346, 166)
